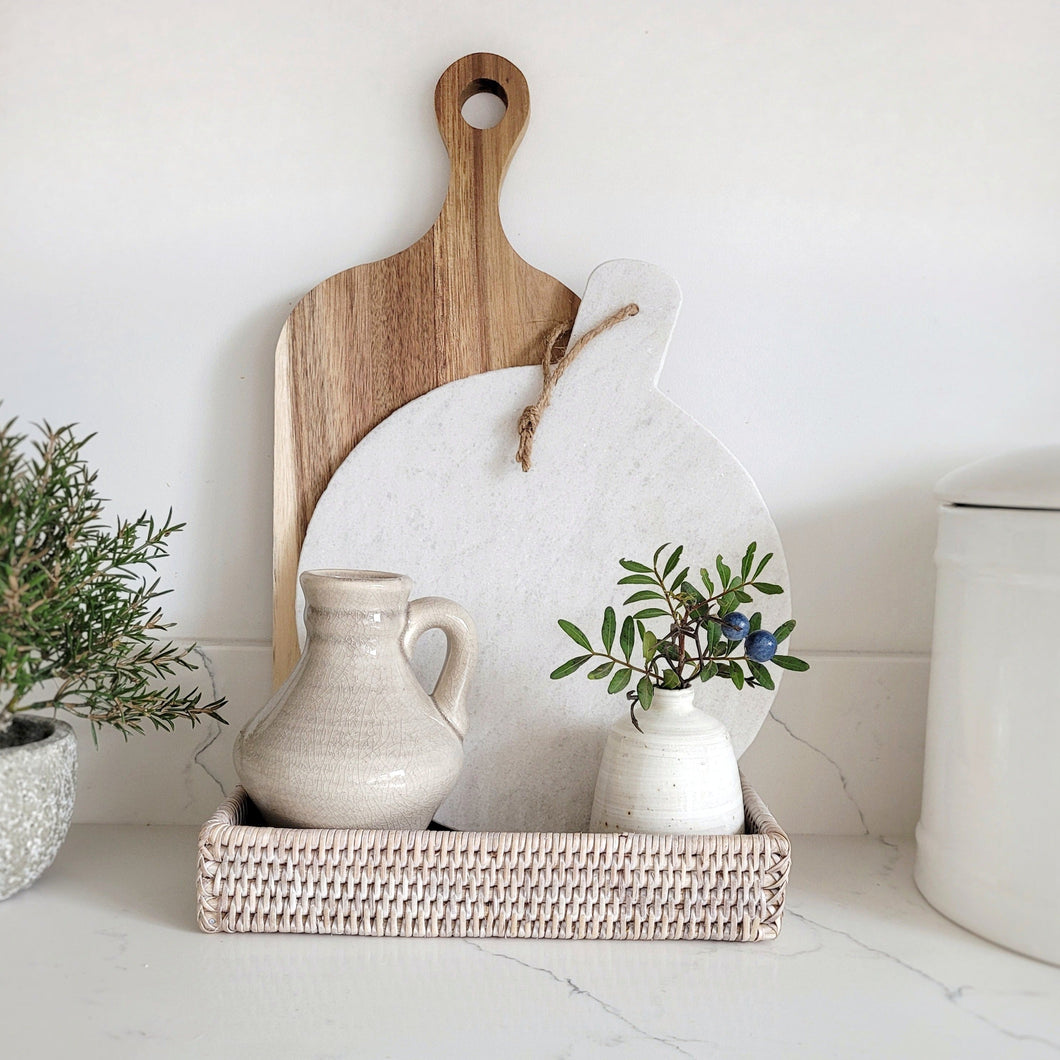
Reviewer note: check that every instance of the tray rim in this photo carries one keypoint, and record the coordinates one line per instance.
(225, 820)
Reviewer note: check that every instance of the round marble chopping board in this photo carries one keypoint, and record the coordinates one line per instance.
(435, 492)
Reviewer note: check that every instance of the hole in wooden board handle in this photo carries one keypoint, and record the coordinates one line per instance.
(485, 104)
(482, 72)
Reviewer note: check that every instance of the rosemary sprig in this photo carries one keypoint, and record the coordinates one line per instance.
(80, 629)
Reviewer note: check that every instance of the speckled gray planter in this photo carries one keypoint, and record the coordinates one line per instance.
(38, 777)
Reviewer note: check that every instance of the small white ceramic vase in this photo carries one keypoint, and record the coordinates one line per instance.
(678, 776)
(351, 739)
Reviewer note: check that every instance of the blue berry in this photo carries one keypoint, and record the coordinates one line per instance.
(735, 626)
(761, 646)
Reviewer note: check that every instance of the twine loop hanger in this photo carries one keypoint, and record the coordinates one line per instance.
(531, 415)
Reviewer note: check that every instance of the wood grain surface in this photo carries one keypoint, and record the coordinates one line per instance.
(366, 341)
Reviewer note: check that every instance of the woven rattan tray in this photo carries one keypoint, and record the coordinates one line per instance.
(253, 877)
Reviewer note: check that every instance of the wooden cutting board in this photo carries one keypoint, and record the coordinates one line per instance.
(363, 343)
(435, 492)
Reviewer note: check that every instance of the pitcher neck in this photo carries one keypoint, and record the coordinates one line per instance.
(376, 601)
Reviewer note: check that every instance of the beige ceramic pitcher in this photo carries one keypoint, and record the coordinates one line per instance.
(351, 739)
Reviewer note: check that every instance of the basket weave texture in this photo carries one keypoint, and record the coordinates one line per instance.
(253, 877)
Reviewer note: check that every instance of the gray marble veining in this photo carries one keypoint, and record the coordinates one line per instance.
(863, 968)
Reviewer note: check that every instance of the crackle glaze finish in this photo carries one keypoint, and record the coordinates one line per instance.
(351, 739)
(678, 776)
(38, 781)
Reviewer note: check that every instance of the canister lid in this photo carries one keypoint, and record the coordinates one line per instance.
(1027, 478)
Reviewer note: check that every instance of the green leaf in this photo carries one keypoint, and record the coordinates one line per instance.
(633, 565)
(678, 579)
(667, 649)
(708, 671)
(761, 674)
(645, 692)
(762, 565)
(575, 634)
(783, 631)
(768, 588)
(658, 552)
(736, 674)
(789, 662)
(620, 680)
(756, 622)
(607, 633)
(601, 671)
(748, 559)
(638, 579)
(744, 598)
(671, 563)
(626, 638)
(689, 590)
(713, 637)
(727, 603)
(705, 575)
(671, 680)
(724, 670)
(651, 612)
(644, 594)
(569, 667)
(650, 640)
(723, 572)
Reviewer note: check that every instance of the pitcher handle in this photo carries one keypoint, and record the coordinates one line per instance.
(435, 612)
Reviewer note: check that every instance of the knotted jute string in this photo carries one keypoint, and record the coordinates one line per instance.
(532, 414)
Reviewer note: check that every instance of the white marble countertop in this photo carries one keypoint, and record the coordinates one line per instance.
(101, 958)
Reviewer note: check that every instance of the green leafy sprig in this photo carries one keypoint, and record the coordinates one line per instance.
(79, 623)
(695, 646)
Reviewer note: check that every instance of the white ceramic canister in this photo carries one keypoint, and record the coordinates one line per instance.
(987, 855)
(677, 776)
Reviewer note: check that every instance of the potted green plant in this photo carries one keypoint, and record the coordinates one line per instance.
(673, 769)
(79, 632)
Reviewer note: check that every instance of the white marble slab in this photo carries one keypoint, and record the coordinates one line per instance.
(862, 968)
(618, 469)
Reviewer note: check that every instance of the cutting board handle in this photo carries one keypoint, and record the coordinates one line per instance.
(368, 340)
(481, 156)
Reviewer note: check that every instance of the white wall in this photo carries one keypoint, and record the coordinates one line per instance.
(859, 200)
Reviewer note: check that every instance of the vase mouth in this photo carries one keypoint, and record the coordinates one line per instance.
(678, 699)
(673, 693)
